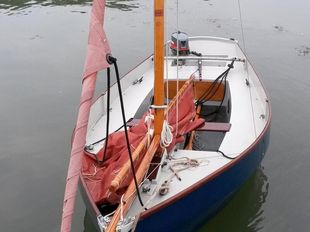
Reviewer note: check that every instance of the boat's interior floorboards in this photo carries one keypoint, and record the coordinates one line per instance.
(210, 140)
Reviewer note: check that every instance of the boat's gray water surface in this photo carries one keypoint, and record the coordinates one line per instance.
(42, 49)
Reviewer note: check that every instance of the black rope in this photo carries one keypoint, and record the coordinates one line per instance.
(206, 96)
(219, 107)
(226, 156)
(114, 61)
(209, 90)
(215, 84)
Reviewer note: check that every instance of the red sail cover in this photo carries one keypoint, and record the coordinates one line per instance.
(97, 49)
(98, 178)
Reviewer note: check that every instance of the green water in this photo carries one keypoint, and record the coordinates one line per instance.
(42, 50)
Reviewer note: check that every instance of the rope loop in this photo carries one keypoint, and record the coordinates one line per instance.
(166, 135)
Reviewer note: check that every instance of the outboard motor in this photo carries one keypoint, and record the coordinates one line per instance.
(183, 46)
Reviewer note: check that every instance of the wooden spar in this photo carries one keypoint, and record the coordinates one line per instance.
(124, 170)
(158, 65)
(190, 142)
(130, 194)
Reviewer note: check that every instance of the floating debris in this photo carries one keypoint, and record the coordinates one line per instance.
(279, 28)
(212, 20)
(210, 4)
(303, 51)
(78, 11)
(35, 37)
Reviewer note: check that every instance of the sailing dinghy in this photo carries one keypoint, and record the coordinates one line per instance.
(167, 145)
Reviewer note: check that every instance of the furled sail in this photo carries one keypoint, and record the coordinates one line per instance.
(97, 51)
(98, 179)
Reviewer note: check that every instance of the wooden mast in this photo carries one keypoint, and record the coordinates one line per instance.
(158, 65)
(159, 111)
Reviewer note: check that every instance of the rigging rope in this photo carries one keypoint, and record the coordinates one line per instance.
(224, 79)
(166, 135)
(177, 103)
(166, 61)
(114, 61)
(246, 65)
(241, 25)
(99, 162)
(214, 87)
(183, 165)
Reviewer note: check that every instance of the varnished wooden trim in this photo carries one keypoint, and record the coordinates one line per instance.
(200, 87)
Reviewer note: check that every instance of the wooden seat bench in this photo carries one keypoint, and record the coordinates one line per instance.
(215, 126)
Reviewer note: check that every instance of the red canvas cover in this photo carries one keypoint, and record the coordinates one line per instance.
(99, 178)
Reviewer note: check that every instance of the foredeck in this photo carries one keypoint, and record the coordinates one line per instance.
(208, 161)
